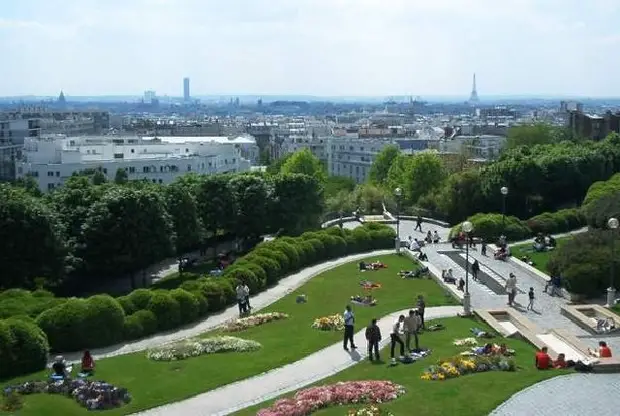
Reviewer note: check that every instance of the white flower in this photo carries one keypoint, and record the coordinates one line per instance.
(241, 324)
(194, 347)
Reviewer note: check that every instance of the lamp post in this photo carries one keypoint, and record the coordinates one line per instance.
(504, 191)
(467, 228)
(398, 193)
(611, 291)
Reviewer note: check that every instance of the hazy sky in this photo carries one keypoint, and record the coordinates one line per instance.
(317, 47)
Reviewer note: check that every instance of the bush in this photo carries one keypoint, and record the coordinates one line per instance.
(127, 305)
(22, 302)
(139, 324)
(214, 293)
(318, 248)
(289, 250)
(307, 252)
(280, 257)
(241, 273)
(258, 271)
(23, 347)
(190, 308)
(603, 188)
(490, 226)
(584, 263)
(599, 211)
(65, 325)
(271, 267)
(140, 298)
(203, 305)
(166, 309)
(557, 222)
(362, 239)
(190, 285)
(104, 320)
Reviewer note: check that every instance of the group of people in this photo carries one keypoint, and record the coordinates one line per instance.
(403, 331)
(448, 276)
(543, 360)
(375, 265)
(61, 369)
(243, 298)
(544, 243)
(432, 238)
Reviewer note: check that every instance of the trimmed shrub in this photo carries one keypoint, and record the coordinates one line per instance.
(243, 274)
(127, 305)
(490, 226)
(203, 305)
(190, 285)
(280, 257)
(190, 308)
(600, 210)
(382, 239)
(215, 295)
(23, 347)
(105, 319)
(271, 267)
(166, 309)
(290, 251)
(66, 325)
(557, 222)
(228, 290)
(362, 239)
(584, 263)
(603, 188)
(139, 324)
(318, 247)
(22, 302)
(306, 252)
(260, 273)
(329, 241)
(140, 298)
(147, 320)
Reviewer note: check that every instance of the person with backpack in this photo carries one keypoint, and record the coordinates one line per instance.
(373, 337)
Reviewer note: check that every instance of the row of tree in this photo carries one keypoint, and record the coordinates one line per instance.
(94, 229)
(541, 177)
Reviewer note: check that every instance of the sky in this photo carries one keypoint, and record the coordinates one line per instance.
(310, 47)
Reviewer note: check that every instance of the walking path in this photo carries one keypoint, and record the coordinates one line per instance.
(322, 364)
(259, 301)
(574, 394)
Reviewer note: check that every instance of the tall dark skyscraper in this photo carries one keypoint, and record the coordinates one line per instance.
(186, 96)
(473, 98)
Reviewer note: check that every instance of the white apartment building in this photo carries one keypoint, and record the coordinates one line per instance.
(52, 160)
(484, 146)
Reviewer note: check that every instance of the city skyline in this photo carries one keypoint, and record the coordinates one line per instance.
(310, 47)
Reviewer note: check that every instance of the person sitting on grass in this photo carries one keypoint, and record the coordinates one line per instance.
(542, 359)
(486, 349)
(88, 363)
(60, 367)
(502, 349)
(603, 351)
(560, 362)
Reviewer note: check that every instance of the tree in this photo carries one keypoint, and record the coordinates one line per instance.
(126, 231)
(251, 198)
(305, 163)
(336, 184)
(275, 166)
(298, 202)
(215, 203)
(382, 163)
(530, 135)
(121, 176)
(30, 185)
(183, 210)
(31, 239)
(424, 173)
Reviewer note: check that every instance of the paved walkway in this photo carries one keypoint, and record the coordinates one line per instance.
(322, 364)
(259, 301)
(574, 394)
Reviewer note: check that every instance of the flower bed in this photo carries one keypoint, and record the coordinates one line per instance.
(241, 324)
(369, 411)
(195, 347)
(351, 392)
(329, 323)
(458, 366)
(93, 395)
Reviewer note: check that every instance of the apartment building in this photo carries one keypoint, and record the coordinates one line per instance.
(13, 133)
(67, 122)
(486, 147)
(592, 126)
(50, 160)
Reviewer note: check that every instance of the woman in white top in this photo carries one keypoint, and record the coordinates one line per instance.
(395, 337)
(511, 288)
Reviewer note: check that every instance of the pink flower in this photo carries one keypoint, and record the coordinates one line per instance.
(306, 401)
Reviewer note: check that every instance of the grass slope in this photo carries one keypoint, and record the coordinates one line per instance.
(470, 395)
(156, 383)
(540, 259)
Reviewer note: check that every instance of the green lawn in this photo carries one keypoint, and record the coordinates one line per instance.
(155, 383)
(469, 395)
(540, 259)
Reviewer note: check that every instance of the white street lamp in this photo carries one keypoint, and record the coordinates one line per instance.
(612, 223)
(398, 192)
(467, 228)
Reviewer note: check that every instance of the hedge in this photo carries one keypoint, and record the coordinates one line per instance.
(599, 211)
(76, 324)
(602, 188)
(23, 348)
(490, 226)
(557, 222)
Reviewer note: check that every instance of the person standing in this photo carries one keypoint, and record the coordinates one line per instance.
(349, 322)
(421, 306)
(246, 291)
(530, 295)
(373, 336)
(511, 288)
(241, 297)
(411, 324)
(418, 224)
(475, 268)
(395, 338)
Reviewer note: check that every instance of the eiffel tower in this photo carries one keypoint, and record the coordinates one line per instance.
(473, 98)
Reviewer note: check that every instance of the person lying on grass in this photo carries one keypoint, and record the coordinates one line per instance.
(365, 300)
(413, 274)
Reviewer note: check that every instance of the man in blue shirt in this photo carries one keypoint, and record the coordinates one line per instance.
(349, 322)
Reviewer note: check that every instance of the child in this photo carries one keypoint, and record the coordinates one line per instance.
(530, 306)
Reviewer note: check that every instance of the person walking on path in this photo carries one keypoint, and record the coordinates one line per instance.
(511, 288)
(418, 224)
(241, 297)
(246, 291)
(349, 322)
(421, 306)
(411, 324)
(475, 268)
(395, 338)
(530, 295)
(373, 336)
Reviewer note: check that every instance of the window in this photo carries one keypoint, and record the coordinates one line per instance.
(34, 174)
(132, 151)
(160, 181)
(57, 174)
(119, 156)
(186, 150)
(189, 168)
(105, 171)
(132, 169)
(154, 180)
(145, 169)
(50, 173)
(234, 160)
(50, 186)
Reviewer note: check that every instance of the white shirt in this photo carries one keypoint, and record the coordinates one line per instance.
(246, 290)
(240, 292)
(511, 284)
(349, 318)
(414, 245)
(397, 328)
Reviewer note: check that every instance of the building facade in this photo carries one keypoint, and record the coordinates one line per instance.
(591, 126)
(51, 160)
(13, 134)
